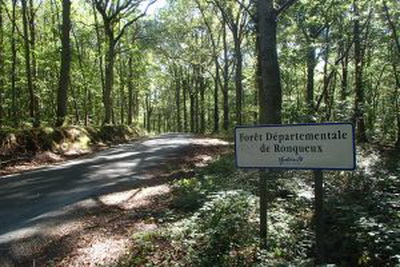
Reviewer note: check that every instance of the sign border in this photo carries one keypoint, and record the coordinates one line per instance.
(294, 125)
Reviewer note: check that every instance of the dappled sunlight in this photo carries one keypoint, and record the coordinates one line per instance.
(56, 201)
(367, 160)
(104, 251)
(134, 198)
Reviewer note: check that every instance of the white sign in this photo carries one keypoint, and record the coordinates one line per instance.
(328, 146)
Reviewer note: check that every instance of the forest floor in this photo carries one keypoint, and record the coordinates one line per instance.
(98, 230)
(196, 209)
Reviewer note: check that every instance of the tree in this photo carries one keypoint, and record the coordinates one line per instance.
(29, 42)
(1, 62)
(270, 91)
(236, 22)
(113, 13)
(359, 90)
(65, 64)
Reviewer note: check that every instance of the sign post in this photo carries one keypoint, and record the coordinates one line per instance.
(263, 208)
(318, 147)
(319, 219)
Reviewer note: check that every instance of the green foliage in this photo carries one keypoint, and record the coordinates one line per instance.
(218, 212)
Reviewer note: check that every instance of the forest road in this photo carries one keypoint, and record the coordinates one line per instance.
(33, 202)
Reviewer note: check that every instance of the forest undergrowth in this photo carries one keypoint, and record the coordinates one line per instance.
(43, 145)
(214, 218)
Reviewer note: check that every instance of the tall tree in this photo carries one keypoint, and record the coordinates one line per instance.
(270, 91)
(359, 86)
(217, 81)
(236, 22)
(113, 13)
(395, 58)
(14, 105)
(33, 105)
(1, 62)
(62, 95)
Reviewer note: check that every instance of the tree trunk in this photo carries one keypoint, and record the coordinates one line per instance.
(192, 112)
(311, 63)
(327, 79)
(216, 92)
(397, 78)
(359, 90)
(87, 94)
(238, 75)
(185, 115)
(216, 78)
(202, 106)
(149, 110)
(14, 105)
(65, 64)
(109, 80)
(270, 92)
(1, 63)
(28, 70)
(98, 46)
(178, 99)
(344, 81)
(225, 89)
(130, 92)
(196, 108)
(122, 91)
(397, 104)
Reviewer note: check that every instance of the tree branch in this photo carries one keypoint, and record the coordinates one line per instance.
(285, 6)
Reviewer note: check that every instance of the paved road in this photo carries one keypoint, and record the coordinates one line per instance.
(29, 201)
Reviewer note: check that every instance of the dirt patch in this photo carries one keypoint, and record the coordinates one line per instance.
(101, 233)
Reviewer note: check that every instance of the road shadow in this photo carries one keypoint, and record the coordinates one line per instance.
(32, 203)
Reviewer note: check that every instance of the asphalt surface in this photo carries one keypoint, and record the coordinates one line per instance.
(29, 201)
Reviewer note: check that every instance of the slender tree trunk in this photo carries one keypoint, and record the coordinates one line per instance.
(359, 90)
(396, 75)
(397, 104)
(216, 79)
(130, 92)
(327, 79)
(109, 80)
(270, 93)
(32, 40)
(392, 27)
(98, 46)
(238, 75)
(14, 105)
(63, 86)
(27, 50)
(192, 112)
(225, 90)
(202, 106)
(311, 63)
(122, 91)
(178, 99)
(87, 94)
(185, 115)
(136, 105)
(344, 81)
(196, 103)
(2, 83)
(216, 97)
(149, 110)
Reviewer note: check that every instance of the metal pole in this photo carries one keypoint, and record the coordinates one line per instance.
(319, 220)
(263, 208)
